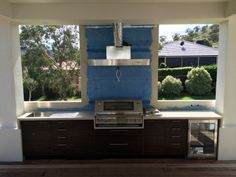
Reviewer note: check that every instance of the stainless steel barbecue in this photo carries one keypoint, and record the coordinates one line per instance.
(118, 114)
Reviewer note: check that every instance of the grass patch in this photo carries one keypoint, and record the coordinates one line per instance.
(187, 97)
(44, 98)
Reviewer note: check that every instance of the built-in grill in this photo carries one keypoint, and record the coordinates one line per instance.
(118, 114)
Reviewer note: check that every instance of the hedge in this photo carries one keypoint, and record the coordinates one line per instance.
(181, 72)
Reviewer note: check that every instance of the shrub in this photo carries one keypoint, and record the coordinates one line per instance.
(174, 71)
(181, 72)
(212, 69)
(199, 82)
(171, 86)
(162, 65)
(159, 86)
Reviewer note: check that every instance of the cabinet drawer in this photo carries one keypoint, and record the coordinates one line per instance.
(37, 149)
(176, 138)
(118, 133)
(119, 145)
(120, 148)
(60, 149)
(60, 125)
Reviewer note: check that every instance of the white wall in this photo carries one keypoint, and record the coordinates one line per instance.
(5, 9)
(10, 92)
(226, 95)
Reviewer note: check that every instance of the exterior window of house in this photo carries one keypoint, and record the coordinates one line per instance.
(50, 62)
(190, 61)
(187, 62)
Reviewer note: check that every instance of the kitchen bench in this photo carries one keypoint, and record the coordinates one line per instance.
(162, 136)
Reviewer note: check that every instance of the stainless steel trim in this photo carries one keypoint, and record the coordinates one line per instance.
(118, 62)
(118, 113)
(99, 108)
(123, 127)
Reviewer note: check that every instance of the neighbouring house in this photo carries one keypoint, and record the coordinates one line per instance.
(185, 53)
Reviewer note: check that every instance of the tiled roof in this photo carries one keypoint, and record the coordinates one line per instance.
(188, 49)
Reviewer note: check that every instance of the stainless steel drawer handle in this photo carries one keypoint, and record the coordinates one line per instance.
(119, 130)
(175, 121)
(176, 129)
(61, 137)
(118, 144)
(60, 122)
(175, 144)
(61, 145)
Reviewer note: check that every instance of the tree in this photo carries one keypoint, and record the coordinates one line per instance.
(29, 83)
(35, 53)
(163, 41)
(66, 54)
(176, 37)
(46, 49)
(61, 83)
(207, 35)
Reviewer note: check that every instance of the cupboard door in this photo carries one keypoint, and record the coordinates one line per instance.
(82, 141)
(165, 138)
(37, 138)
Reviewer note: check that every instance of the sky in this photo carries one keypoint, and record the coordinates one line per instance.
(170, 30)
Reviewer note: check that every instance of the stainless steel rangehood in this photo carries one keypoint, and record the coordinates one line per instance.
(118, 55)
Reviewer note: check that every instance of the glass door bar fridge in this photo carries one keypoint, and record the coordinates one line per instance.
(202, 139)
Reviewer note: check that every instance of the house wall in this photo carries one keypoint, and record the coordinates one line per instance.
(135, 81)
(188, 61)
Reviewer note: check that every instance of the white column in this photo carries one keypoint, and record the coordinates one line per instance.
(226, 89)
(11, 92)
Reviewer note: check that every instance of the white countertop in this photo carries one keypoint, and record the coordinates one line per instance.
(184, 115)
(82, 115)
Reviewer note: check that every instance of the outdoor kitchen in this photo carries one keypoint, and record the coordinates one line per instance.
(120, 119)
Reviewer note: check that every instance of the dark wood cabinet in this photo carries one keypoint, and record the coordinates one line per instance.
(37, 138)
(77, 138)
(166, 138)
(63, 139)
(119, 142)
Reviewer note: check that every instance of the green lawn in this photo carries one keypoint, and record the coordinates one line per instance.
(188, 97)
(43, 98)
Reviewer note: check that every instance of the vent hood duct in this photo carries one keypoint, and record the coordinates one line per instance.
(118, 34)
(118, 51)
(118, 55)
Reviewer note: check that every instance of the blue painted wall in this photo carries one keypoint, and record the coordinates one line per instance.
(135, 82)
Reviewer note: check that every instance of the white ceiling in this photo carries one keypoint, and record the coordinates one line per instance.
(112, 1)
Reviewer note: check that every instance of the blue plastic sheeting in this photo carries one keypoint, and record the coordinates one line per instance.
(135, 81)
(139, 38)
